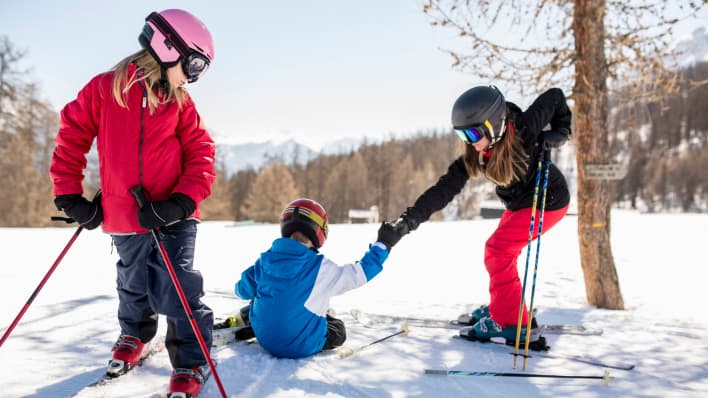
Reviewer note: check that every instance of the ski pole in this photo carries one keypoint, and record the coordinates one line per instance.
(441, 372)
(44, 280)
(348, 351)
(538, 248)
(528, 255)
(139, 195)
(586, 360)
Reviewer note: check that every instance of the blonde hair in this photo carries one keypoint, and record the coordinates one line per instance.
(509, 160)
(151, 74)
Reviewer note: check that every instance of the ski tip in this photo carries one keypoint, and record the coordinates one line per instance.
(435, 372)
(344, 352)
(606, 377)
(404, 328)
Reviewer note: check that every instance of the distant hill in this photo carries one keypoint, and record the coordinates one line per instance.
(692, 50)
(238, 157)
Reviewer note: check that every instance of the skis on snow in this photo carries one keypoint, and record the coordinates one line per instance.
(368, 319)
(378, 320)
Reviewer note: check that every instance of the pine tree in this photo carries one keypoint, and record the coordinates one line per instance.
(271, 191)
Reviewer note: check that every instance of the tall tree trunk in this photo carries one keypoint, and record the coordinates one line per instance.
(591, 111)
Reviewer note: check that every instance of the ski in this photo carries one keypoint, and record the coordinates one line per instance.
(226, 336)
(369, 319)
(588, 360)
(443, 372)
(344, 352)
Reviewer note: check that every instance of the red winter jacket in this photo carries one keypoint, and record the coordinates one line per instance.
(174, 149)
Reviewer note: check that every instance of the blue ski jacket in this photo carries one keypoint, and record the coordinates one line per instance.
(291, 286)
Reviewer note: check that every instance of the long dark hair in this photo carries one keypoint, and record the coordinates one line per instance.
(509, 160)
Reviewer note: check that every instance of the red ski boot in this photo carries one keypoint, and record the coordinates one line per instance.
(186, 383)
(128, 351)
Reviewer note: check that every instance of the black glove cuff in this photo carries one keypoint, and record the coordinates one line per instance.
(63, 202)
(185, 202)
(413, 218)
(563, 130)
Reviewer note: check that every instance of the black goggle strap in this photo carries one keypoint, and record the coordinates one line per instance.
(488, 129)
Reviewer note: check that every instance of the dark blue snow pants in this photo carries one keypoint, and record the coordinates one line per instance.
(145, 290)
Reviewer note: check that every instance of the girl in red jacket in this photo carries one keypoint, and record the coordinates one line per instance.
(148, 134)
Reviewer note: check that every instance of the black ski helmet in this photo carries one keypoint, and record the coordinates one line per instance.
(481, 107)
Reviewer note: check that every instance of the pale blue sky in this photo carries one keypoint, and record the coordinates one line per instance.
(313, 70)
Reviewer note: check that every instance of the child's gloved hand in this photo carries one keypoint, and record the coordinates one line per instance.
(88, 214)
(164, 212)
(388, 235)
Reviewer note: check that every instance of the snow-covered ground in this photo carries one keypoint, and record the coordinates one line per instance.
(64, 339)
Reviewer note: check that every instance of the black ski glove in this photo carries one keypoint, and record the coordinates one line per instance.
(405, 223)
(165, 212)
(554, 138)
(388, 235)
(88, 214)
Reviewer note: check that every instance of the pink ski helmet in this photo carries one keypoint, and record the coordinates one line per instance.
(173, 36)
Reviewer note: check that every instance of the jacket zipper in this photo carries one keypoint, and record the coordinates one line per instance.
(142, 129)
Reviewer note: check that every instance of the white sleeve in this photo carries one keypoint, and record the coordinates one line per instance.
(332, 280)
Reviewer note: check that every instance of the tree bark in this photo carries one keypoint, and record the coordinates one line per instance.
(591, 116)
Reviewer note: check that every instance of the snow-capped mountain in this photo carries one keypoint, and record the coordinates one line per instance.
(236, 157)
(693, 49)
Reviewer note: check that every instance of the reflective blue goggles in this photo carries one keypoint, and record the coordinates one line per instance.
(475, 133)
(470, 135)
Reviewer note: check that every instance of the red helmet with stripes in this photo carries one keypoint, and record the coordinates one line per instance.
(306, 216)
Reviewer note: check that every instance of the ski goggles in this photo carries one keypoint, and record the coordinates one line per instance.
(475, 133)
(194, 66)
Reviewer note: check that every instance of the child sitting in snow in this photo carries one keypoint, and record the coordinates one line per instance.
(290, 285)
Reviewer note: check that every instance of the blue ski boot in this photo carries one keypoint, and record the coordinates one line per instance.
(486, 329)
(470, 318)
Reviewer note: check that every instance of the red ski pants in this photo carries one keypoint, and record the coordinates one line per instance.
(500, 254)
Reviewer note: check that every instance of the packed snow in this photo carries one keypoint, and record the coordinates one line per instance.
(63, 341)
